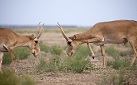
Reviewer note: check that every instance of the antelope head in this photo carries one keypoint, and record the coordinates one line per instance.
(71, 42)
(34, 40)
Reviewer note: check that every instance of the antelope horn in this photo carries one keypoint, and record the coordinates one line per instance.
(62, 31)
(40, 31)
(38, 27)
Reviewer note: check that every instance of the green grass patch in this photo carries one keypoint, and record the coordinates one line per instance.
(56, 49)
(26, 80)
(47, 66)
(67, 64)
(121, 58)
(44, 47)
(126, 53)
(111, 51)
(78, 64)
(53, 49)
(82, 50)
(8, 77)
(20, 53)
(118, 64)
(113, 78)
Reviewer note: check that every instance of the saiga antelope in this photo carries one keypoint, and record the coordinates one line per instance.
(9, 40)
(112, 32)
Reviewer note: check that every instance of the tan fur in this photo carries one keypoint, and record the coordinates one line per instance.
(9, 40)
(112, 32)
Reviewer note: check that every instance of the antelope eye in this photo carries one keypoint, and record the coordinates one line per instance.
(69, 43)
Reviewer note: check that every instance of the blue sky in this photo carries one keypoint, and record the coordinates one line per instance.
(67, 12)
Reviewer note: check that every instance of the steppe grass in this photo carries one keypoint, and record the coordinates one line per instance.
(82, 50)
(76, 64)
(26, 80)
(111, 51)
(59, 62)
(121, 58)
(53, 49)
(113, 78)
(8, 77)
(43, 47)
(56, 50)
(20, 53)
(47, 66)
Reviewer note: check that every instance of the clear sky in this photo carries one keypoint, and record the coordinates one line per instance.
(67, 12)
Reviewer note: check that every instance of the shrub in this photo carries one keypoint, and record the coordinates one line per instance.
(44, 47)
(26, 80)
(113, 78)
(7, 58)
(7, 77)
(20, 53)
(111, 51)
(82, 51)
(74, 64)
(46, 66)
(117, 64)
(42, 65)
(78, 64)
(126, 53)
(56, 49)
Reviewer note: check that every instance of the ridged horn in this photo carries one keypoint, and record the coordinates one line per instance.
(62, 31)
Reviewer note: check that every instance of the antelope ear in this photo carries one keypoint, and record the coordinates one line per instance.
(32, 36)
(73, 37)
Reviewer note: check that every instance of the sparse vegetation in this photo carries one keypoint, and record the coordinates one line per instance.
(78, 64)
(82, 50)
(57, 66)
(44, 47)
(26, 80)
(56, 49)
(121, 58)
(75, 64)
(20, 53)
(53, 49)
(113, 78)
(111, 51)
(7, 77)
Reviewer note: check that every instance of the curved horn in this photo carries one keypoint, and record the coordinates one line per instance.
(62, 31)
(40, 31)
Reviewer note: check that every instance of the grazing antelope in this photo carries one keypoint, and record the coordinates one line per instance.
(9, 40)
(112, 32)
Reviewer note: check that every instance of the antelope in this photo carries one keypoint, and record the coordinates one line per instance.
(9, 40)
(111, 32)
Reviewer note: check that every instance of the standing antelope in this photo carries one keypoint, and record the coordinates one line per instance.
(9, 40)
(112, 32)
